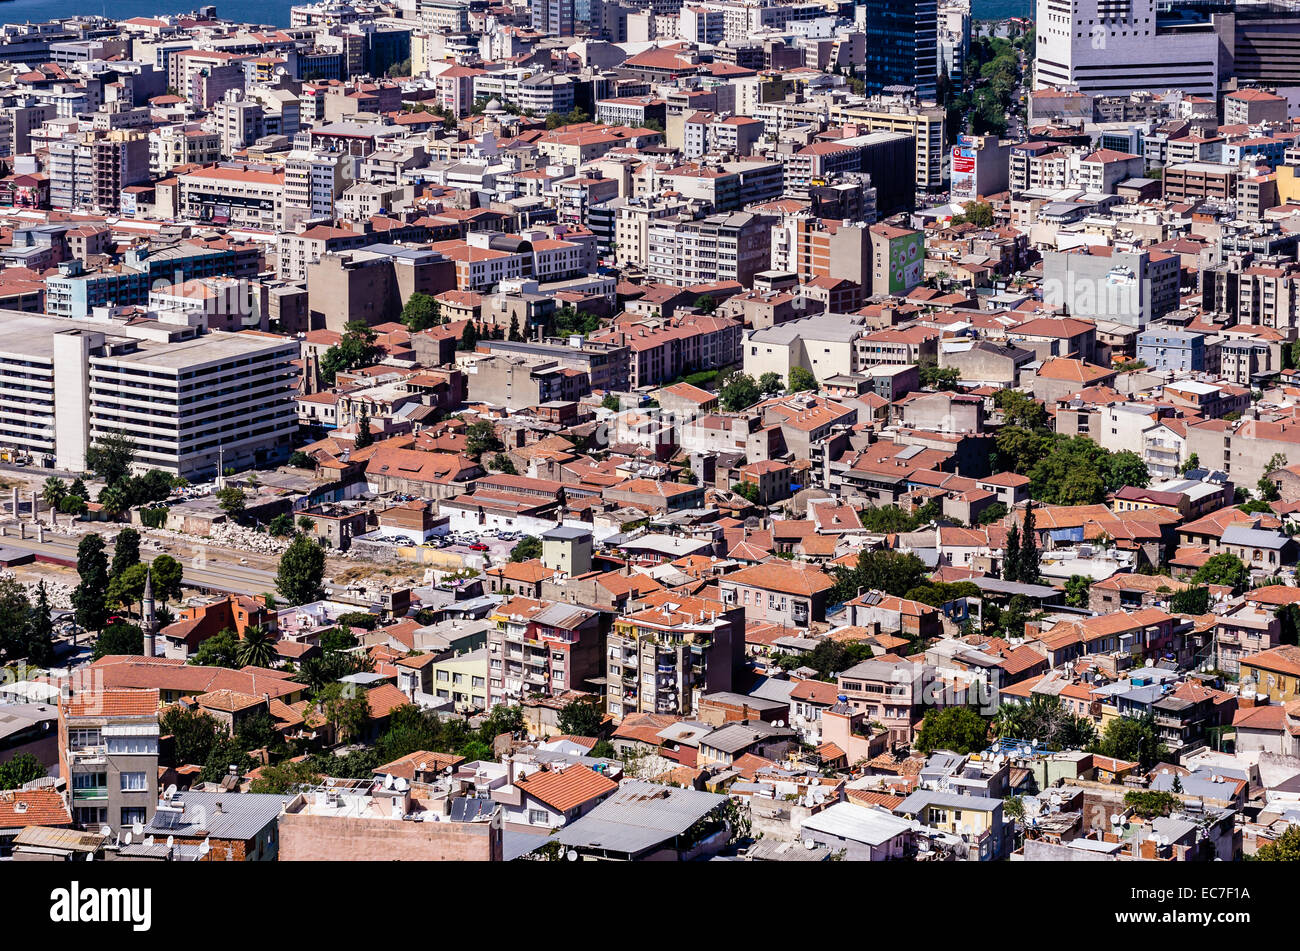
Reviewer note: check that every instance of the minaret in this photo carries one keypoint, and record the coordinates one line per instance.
(148, 622)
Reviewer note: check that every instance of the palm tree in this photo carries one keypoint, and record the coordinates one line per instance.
(256, 647)
(53, 493)
(114, 501)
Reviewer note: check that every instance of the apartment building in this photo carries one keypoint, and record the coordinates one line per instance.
(924, 123)
(685, 251)
(541, 648)
(172, 146)
(108, 757)
(666, 656)
(237, 195)
(188, 400)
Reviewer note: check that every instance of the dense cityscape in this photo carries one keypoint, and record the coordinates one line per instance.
(904, 464)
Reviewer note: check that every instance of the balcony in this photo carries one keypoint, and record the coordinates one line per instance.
(90, 792)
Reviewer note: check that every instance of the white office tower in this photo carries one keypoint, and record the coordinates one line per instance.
(1113, 47)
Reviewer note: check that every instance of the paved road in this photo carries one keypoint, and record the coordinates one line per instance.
(213, 572)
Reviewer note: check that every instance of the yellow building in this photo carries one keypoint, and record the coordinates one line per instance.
(1276, 672)
(462, 679)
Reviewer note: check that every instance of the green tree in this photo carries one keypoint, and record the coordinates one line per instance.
(528, 548)
(746, 490)
(346, 708)
(421, 312)
(1285, 848)
(126, 551)
(481, 437)
(40, 630)
(893, 572)
(15, 618)
(306, 523)
(1224, 568)
(281, 526)
(302, 566)
(1029, 573)
(468, 337)
(581, 718)
(168, 574)
(219, 650)
(356, 348)
(770, 383)
(230, 499)
(1126, 468)
(1076, 591)
(738, 392)
(73, 505)
(705, 304)
(256, 647)
(611, 403)
(503, 463)
(119, 637)
(89, 597)
(53, 492)
(1190, 601)
(1021, 410)
(226, 753)
(1134, 739)
(110, 458)
(932, 378)
(959, 729)
(1011, 554)
(364, 436)
(990, 514)
(126, 589)
(193, 733)
(20, 770)
(801, 380)
(114, 499)
(976, 213)
(286, 777)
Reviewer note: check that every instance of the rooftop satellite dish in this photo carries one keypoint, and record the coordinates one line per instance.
(105, 830)
(90, 856)
(128, 838)
(572, 855)
(137, 827)
(809, 844)
(171, 840)
(400, 784)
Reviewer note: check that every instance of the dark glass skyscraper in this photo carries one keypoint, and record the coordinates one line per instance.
(902, 45)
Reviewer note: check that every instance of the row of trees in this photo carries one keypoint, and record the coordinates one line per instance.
(1062, 470)
(740, 390)
(1021, 557)
(26, 626)
(105, 588)
(1045, 720)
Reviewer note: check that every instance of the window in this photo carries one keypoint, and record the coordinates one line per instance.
(135, 782)
(89, 780)
(538, 817)
(83, 739)
(132, 814)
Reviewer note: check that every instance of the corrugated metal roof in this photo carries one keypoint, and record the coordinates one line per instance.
(639, 816)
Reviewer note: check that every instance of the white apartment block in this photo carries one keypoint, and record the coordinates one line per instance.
(186, 399)
(1113, 47)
